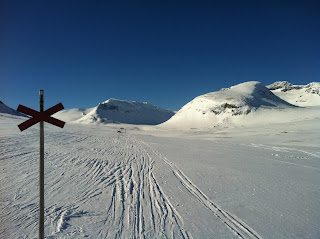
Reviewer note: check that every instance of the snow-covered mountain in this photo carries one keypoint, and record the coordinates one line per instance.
(226, 105)
(301, 95)
(118, 111)
(72, 114)
(7, 110)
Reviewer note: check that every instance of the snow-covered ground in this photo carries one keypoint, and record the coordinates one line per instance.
(241, 181)
(236, 163)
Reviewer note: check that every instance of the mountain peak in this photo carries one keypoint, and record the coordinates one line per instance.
(250, 94)
(283, 85)
(221, 106)
(118, 111)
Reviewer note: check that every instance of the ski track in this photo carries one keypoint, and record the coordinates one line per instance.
(138, 207)
(117, 170)
(283, 154)
(237, 226)
(284, 149)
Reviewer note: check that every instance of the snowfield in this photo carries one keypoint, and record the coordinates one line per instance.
(250, 181)
(237, 163)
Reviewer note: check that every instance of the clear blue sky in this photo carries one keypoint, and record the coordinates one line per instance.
(164, 52)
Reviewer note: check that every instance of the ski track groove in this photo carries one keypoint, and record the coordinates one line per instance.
(149, 211)
(238, 227)
(138, 208)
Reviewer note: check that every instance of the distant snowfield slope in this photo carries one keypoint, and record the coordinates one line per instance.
(300, 95)
(117, 111)
(246, 103)
(7, 110)
(72, 114)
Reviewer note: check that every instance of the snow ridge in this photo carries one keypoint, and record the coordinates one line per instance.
(300, 95)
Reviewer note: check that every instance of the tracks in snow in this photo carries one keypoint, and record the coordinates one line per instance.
(96, 186)
(118, 174)
(97, 181)
(238, 227)
(138, 207)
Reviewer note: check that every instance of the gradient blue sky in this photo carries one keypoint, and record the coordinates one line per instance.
(164, 52)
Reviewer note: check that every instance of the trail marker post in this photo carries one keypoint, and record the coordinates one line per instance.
(41, 116)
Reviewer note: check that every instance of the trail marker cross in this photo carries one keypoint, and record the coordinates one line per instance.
(40, 116)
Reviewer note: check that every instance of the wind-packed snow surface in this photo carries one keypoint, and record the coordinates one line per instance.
(153, 182)
(117, 111)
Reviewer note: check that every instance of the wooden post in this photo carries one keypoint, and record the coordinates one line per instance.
(41, 172)
(41, 116)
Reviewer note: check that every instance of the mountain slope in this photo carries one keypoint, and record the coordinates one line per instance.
(72, 114)
(225, 105)
(300, 95)
(7, 110)
(118, 111)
